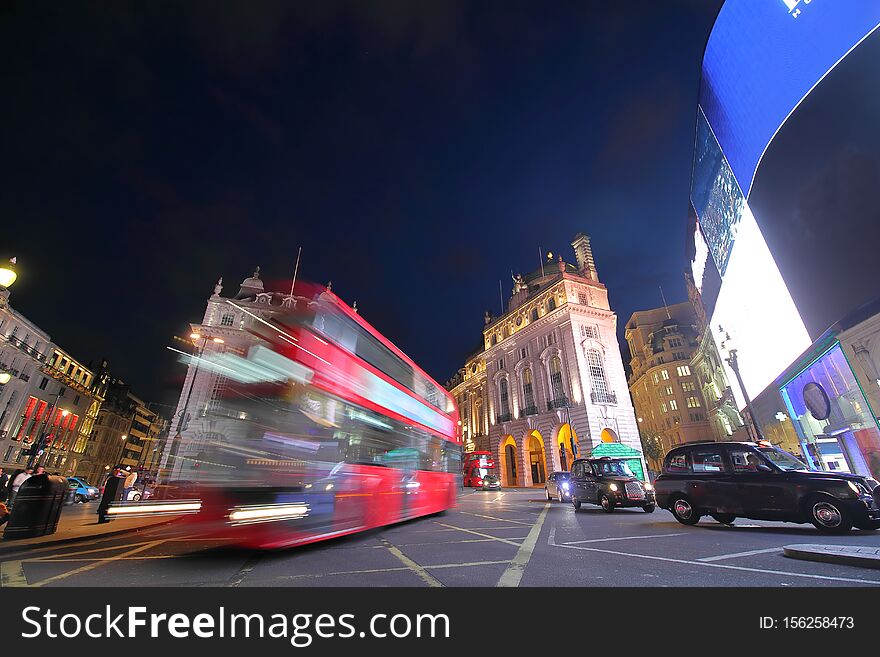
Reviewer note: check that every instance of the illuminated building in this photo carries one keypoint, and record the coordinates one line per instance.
(222, 332)
(548, 384)
(782, 220)
(666, 393)
(49, 393)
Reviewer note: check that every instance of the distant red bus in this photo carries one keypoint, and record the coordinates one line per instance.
(325, 428)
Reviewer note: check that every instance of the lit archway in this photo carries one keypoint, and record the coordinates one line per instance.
(609, 436)
(536, 458)
(567, 445)
(507, 461)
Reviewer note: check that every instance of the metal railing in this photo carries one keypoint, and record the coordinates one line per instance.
(603, 397)
(504, 417)
(560, 402)
(528, 410)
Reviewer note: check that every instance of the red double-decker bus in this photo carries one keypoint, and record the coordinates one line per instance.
(325, 428)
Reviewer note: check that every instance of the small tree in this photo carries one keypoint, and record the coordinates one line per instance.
(652, 447)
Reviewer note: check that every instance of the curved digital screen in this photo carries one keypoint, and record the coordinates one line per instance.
(787, 95)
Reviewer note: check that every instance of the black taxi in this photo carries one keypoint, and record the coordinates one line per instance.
(759, 481)
(610, 483)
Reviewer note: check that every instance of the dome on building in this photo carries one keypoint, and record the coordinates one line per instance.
(250, 287)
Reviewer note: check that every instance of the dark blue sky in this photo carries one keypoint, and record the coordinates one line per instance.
(416, 151)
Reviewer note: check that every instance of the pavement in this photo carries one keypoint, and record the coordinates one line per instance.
(79, 522)
(514, 537)
(863, 556)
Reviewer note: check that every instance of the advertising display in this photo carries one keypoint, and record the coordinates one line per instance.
(774, 260)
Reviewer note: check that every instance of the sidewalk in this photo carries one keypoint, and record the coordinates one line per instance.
(79, 522)
(863, 556)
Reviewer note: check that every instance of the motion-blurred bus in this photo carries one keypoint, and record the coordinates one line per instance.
(324, 428)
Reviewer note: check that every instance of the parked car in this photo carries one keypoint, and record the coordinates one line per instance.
(557, 486)
(83, 491)
(758, 481)
(609, 483)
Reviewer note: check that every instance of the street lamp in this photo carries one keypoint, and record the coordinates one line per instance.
(8, 274)
(5, 377)
(728, 347)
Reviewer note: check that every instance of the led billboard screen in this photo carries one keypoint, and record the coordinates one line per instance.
(785, 157)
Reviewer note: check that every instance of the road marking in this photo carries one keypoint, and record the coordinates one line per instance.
(471, 531)
(397, 569)
(12, 574)
(620, 538)
(465, 540)
(720, 565)
(480, 515)
(455, 529)
(514, 572)
(95, 564)
(741, 554)
(244, 571)
(429, 579)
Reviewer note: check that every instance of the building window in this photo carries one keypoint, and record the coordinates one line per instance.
(598, 381)
(675, 342)
(227, 320)
(500, 363)
(663, 407)
(693, 402)
(534, 314)
(688, 386)
(523, 353)
(655, 378)
(582, 299)
(684, 370)
(494, 339)
(556, 379)
(669, 390)
(673, 405)
(590, 331)
(664, 374)
(8, 453)
(550, 339)
(678, 355)
(551, 304)
(528, 390)
(44, 383)
(505, 398)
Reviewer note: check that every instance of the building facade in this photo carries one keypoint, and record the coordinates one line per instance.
(666, 392)
(49, 395)
(548, 383)
(223, 331)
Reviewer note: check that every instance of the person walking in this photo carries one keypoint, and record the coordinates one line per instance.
(19, 479)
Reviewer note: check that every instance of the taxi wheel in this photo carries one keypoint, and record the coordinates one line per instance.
(79, 499)
(547, 492)
(576, 504)
(828, 516)
(649, 508)
(606, 503)
(136, 497)
(683, 511)
(560, 496)
(724, 518)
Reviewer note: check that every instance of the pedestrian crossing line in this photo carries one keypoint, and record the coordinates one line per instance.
(429, 579)
(514, 572)
(12, 575)
(471, 531)
(96, 564)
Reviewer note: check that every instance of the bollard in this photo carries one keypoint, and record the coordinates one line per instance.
(37, 507)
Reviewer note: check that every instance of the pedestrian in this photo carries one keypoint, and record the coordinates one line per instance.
(129, 483)
(4, 483)
(4, 513)
(19, 479)
(40, 470)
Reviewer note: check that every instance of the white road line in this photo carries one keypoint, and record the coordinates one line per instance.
(480, 515)
(429, 579)
(621, 538)
(719, 565)
(514, 572)
(741, 554)
(471, 531)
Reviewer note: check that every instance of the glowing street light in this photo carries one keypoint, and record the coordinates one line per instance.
(8, 274)
(5, 377)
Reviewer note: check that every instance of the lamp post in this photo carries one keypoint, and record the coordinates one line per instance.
(728, 347)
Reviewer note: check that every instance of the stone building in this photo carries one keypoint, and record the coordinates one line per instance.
(666, 392)
(548, 383)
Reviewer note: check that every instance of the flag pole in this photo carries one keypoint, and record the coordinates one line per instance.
(500, 297)
(541, 260)
(295, 270)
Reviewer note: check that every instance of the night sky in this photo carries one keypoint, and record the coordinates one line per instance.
(416, 151)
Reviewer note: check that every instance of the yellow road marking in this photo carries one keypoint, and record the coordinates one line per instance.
(471, 531)
(429, 579)
(92, 566)
(514, 572)
(480, 515)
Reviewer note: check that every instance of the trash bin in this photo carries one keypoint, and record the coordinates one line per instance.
(70, 497)
(112, 493)
(37, 507)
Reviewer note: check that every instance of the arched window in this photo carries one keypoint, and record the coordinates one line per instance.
(551, 304)
(534, 314)
(528, 393)
(598, 382)
(504, 394)
(556, 380)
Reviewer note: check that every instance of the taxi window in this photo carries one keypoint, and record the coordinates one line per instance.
(678, 463)
(708, 461)
(744, 460)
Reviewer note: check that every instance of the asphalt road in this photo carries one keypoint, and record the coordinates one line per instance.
(511, 538)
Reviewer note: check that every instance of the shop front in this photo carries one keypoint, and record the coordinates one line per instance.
(836, 426)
